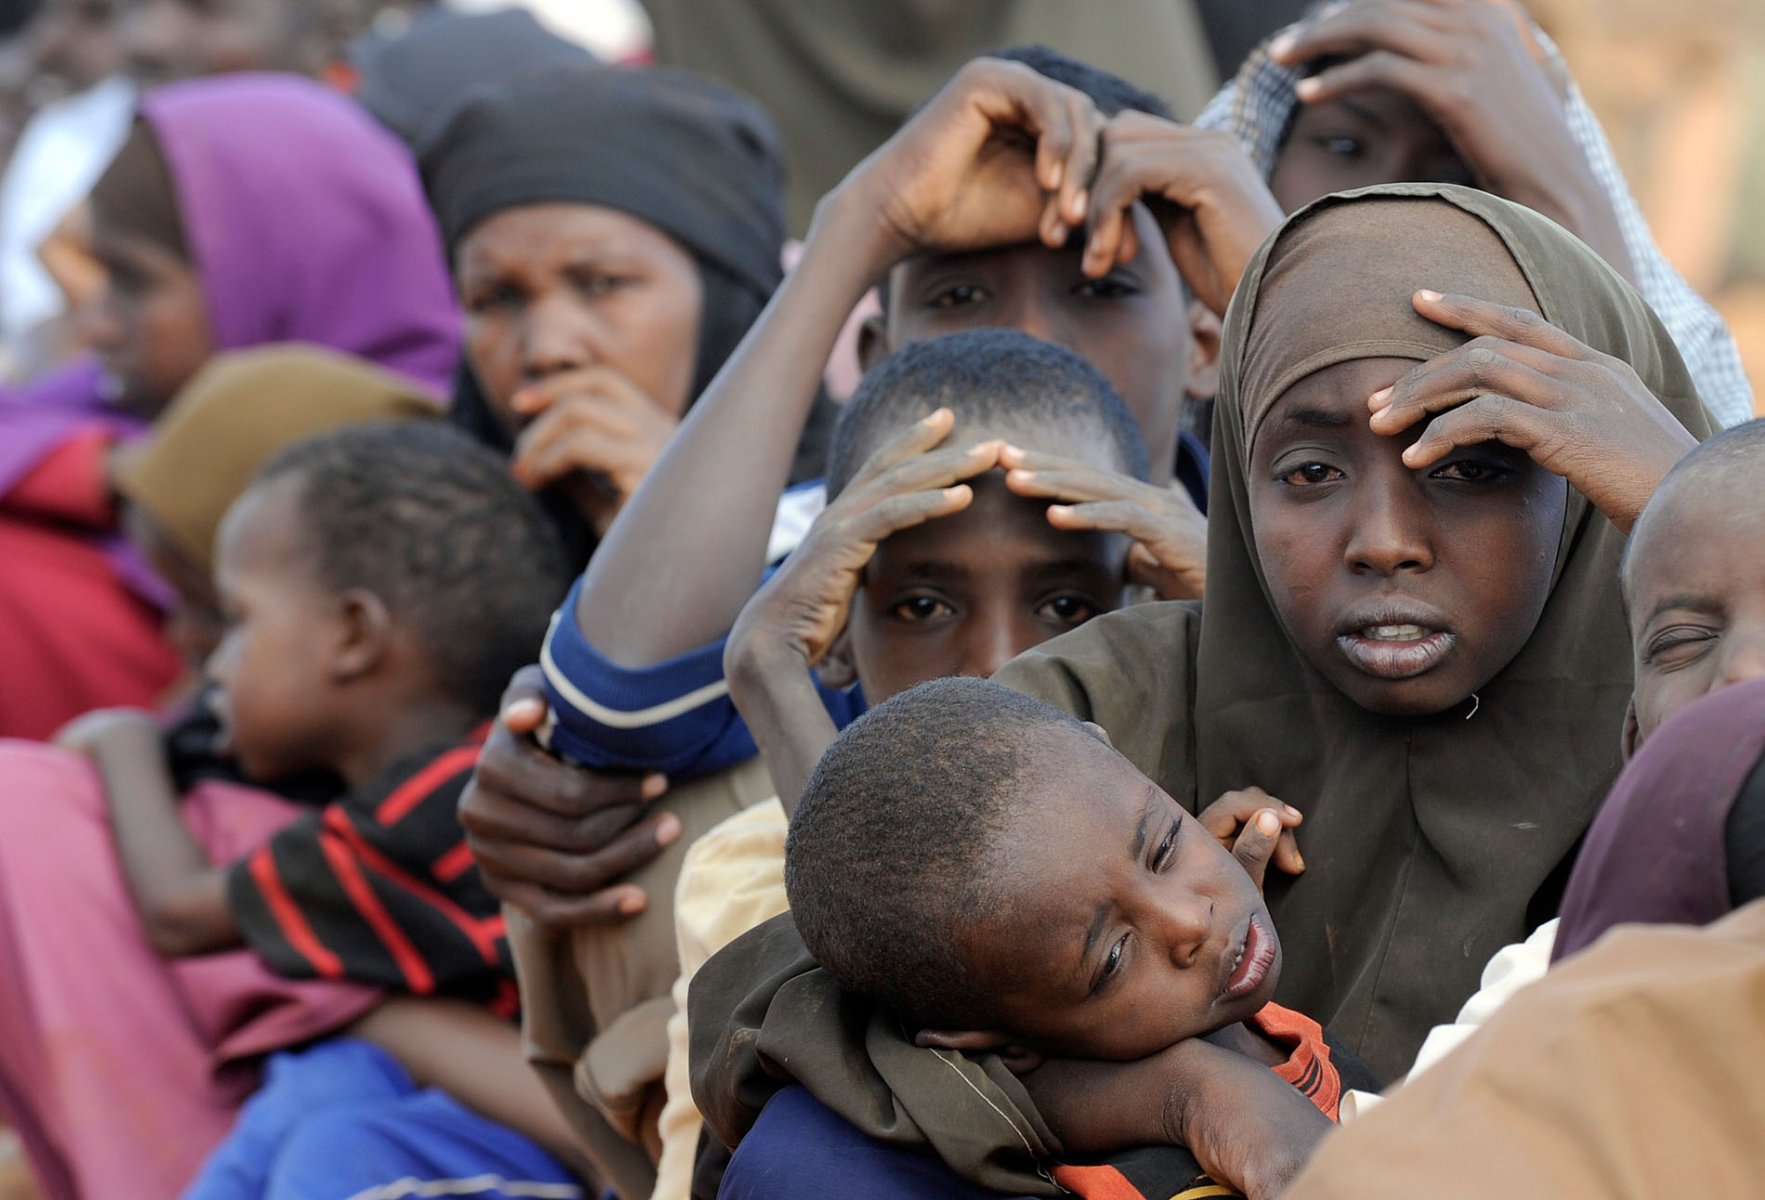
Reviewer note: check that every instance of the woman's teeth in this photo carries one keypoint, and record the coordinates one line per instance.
(1395, 633)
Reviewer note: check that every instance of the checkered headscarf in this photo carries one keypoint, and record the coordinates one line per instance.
(1257, 106)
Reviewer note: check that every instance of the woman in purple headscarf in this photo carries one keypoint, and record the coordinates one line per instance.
(242, 210)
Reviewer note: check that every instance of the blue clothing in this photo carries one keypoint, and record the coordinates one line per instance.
(676, 717)
(342, 1119)
(799, 1149)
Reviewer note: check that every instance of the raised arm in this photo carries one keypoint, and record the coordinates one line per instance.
(1000, 156)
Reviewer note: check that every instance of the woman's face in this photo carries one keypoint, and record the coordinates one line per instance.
(1406, 589)
(1369, 138)
(554, 288)
(150, 325)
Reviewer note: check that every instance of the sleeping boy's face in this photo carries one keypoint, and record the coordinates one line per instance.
(1694, 585)
(965, 594)
(1123, 926)
(272, 692)
(1406, 589)
(1132, 324)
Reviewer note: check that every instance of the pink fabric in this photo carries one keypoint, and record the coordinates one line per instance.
(119, 1070)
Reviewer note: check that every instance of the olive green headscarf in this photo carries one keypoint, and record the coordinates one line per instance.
(1429, 843)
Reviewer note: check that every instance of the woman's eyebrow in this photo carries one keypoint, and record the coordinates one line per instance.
(1316, 418)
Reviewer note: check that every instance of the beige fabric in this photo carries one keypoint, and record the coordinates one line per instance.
(236, 414)
(1629, 1071)
(733, 879)
(595, 1001)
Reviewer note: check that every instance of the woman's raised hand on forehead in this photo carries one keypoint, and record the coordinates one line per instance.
(1525, 383)
(1169, 554)
(1203, 188)
(1001, 155)
(1475, 69)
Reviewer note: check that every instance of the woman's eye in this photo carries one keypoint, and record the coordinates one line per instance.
(921, 608)
(1469, 471)
(1310, 474)
(957, 295)
(602, 285)
(1069, 610)
(1341, 145)
(493, 299)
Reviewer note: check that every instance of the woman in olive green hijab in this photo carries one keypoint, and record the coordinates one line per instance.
(1412, 634)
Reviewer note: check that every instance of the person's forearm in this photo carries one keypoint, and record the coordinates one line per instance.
(710, 499)
(777, 698)
(181, 895)
(477, 1059)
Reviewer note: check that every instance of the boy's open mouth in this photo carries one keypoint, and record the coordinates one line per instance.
(1391, 643)
(1248, 964)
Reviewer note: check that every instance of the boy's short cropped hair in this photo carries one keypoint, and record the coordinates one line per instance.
(433, 524)
(986, 377)
(889, 847)
(1727, 461)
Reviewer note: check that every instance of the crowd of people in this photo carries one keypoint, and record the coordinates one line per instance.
(489, 710)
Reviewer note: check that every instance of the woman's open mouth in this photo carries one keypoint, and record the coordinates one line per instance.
(1395, 650)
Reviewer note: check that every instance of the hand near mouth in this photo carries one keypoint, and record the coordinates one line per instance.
(1258, 830)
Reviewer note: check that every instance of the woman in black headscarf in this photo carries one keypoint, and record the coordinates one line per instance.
(613, 233)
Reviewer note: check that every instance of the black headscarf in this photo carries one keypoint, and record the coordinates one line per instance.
(412, 79)
(698, 161)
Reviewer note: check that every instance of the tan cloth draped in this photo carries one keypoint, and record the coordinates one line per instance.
(1630, 1071)
(1427, 841)
(236, 414)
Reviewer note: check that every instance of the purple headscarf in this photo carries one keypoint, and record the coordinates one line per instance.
(1657, 852)
(307, 223)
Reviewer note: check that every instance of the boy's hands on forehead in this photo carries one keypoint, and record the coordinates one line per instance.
(1001, 155)
(1475, 69)
(1525, 383)
(793, 621)
(910, 480)
(1169, 554)
(1209, 198)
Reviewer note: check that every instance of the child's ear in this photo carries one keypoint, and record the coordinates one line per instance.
(873, 341)
(1101, 734)
(836, 670)
(1204, 351)
(364, 635)
(1019, 1060)
(1632, 734)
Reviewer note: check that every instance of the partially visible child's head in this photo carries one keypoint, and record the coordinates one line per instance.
(1694, 579)
(242, 408)
(964, 594)
(990, 868)
(1133, 323)
(375, 565)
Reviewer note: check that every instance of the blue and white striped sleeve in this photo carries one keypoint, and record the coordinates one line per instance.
(675, 717)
